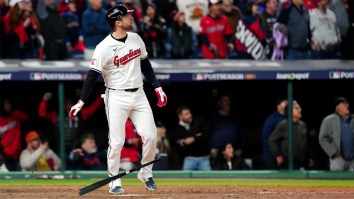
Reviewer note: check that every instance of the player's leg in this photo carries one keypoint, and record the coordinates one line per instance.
(117, 110)
(144, 123)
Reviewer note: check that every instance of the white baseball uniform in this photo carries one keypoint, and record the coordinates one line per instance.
(119, 63)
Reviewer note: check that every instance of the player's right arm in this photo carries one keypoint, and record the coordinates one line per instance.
(92, 75)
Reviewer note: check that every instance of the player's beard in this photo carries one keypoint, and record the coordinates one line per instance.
(127, 27)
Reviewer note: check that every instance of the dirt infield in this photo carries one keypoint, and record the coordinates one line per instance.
(184, 192)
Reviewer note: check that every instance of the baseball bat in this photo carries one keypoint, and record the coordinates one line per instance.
(103, 182)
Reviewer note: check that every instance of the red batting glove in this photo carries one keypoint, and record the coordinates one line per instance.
(161, 96)
(75, 109)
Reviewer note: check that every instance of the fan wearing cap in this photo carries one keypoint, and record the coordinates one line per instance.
(121, 58)
(38, 156)
(337, 137)
(216, 32)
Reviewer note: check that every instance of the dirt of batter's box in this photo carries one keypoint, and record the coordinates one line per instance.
(184, 192)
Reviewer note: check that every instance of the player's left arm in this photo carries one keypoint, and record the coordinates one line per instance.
(149, 74)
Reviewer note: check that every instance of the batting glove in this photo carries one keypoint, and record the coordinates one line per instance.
(75, 109)
(161, 96)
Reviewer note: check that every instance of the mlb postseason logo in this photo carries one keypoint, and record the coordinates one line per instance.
(218, 76)
(341, 75)
(56, 76)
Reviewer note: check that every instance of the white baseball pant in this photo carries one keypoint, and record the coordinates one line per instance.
(120, 105)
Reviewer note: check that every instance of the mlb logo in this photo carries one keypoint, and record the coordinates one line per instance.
(37, 76)
(200, 76)
(335, 75)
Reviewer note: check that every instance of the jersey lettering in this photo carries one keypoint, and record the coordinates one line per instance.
(126, 58)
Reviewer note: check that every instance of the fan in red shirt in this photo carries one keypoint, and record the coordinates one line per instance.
(216, 33)
(10, 133)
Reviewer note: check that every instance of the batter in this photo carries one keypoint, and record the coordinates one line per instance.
(121, 58)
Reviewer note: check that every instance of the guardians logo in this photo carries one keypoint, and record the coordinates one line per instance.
(248, 39)
(126, 58)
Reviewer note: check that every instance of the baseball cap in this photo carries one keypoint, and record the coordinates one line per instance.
(12, 3)
(340, 100)
(117, 12)
(213, 2)
(32, 135)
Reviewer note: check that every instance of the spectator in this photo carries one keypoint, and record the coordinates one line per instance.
(130, 154)
(296, 19)
(4, 8)
(228, 160)
(75, 38)
(194, 11)
(216, 33)
(74, 127)
(325, 33)
(280, 133)
(38, 156)
(336, 137)
(232, 13)
(165, 9)
(269, 15)
(153, 32)
(342, 19)
(53, 29)
(269, 18)
(163, 148)
(269, 126)
(191, 141)
(22, 31)
(224, 127)
(242, 5)
(88, 157)
(251, 35)
(182, 38)
(163, 144)
(94, 26)
(10, 132)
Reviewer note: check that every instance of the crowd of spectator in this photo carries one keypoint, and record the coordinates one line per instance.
(195, 143)
(179, 29)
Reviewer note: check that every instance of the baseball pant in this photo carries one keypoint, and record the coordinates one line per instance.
(120, 105)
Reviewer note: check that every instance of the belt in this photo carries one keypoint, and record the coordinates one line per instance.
(126, 90)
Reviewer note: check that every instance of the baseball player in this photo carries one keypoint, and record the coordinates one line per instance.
(121, 58)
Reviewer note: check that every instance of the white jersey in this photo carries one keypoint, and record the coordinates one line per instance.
(119, 62)
(194, 10)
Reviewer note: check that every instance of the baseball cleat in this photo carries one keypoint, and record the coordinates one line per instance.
(116, 190)
(149, 183)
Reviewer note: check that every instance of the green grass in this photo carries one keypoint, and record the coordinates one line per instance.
(184, 182)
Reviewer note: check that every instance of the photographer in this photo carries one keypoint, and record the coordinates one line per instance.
(38, 156)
